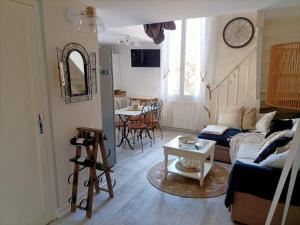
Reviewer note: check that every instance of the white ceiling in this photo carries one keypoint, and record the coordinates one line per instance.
(113, 35)
(118, 13)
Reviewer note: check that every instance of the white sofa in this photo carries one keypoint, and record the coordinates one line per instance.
(248, 208)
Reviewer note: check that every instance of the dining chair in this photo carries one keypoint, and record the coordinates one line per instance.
(153, 118)
(118, 123)
(126, 102)
(160, 104)
(134, 119)
(139, 126)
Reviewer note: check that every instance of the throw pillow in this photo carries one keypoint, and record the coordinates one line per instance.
(264, 123)
(249, 119)
(283, 148)
(214, 129)
(282, 141)
(279, 125)
(269, 138)
(273, 137)
(275, 160)
(231, 117)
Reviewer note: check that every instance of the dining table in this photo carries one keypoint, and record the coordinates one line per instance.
(124, 115)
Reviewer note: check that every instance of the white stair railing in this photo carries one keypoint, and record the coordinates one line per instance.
(233, 69)
(230, 96)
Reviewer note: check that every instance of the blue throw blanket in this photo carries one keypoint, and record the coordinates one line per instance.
(223, 139)
(259, 181)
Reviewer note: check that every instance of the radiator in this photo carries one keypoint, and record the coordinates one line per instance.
(184, 115)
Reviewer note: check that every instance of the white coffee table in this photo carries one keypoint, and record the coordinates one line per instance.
(174, 147)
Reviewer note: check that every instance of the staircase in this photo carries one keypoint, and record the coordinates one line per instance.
(237, 87)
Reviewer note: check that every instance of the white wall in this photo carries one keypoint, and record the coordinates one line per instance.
(241, 91)
(227, 57)
(236, 68)
(116, 71)
(66, 117)
(137, 81)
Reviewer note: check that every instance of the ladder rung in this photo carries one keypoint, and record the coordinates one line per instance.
(100, 166)
(87, 162)
(88, 137)
(82, 141)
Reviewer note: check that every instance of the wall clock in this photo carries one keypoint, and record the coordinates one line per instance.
(238, 32)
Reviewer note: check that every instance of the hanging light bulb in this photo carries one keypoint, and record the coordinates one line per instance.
(88, 20)
(91, 19)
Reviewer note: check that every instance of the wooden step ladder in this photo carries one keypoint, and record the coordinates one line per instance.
(89, 137)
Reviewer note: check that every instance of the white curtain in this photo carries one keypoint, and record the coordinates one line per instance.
(163, 81)
(206, 65)
(207, 54)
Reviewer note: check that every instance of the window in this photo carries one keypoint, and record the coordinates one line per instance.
(184, 60)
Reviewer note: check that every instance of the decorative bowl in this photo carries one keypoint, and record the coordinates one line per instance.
(188, 140)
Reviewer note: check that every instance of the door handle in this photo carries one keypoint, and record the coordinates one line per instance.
(40, 123)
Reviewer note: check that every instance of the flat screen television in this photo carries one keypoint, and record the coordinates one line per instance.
(145, 57)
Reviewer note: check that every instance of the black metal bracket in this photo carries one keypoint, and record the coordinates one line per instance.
(81, 204)
(113, 185)
(72, 174)
(98, 178)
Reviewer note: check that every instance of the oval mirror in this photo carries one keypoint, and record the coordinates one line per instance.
(77, 74)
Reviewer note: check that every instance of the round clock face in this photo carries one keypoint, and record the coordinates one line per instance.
(238, 32)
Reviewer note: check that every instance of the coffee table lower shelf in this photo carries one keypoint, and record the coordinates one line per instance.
(194, 175)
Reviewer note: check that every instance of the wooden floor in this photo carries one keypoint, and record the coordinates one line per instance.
(136, 202)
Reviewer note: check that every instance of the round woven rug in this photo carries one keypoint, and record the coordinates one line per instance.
(215, 182)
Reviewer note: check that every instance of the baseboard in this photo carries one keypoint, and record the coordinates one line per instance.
(66, 207)
(62, 210)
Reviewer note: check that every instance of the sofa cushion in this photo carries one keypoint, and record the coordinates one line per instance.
(247, 161)
(215, 129)
(231, 117)
(259, 181)
(271, 148)
(273, 137)
(279, 125)
(275, 160)
(248, 151)
(263, 124)
(249, 119)
(223, 139)
(283, 148)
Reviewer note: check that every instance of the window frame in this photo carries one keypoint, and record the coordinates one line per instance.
(182, 96)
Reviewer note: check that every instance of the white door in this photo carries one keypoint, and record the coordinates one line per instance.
(24, 177)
